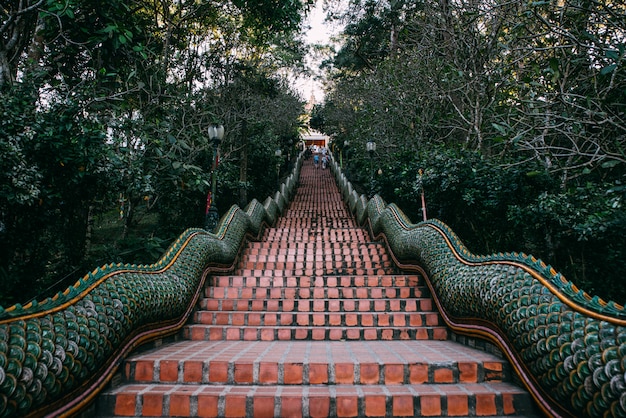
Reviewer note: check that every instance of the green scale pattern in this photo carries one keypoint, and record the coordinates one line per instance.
(568, 348)
(55, 355)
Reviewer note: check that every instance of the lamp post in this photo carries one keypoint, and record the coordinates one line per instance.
(277, 154)
(216, 133)
(371, 148)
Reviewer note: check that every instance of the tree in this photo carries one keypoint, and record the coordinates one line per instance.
(535, 90)
(108, 102)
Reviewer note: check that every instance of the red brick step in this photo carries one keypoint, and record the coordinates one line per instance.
(317, 362)
(487, 399)
(315, 321)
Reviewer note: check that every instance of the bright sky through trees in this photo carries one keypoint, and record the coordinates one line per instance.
(319, 33)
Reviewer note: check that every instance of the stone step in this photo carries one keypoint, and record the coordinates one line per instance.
(185, 400)
(340, 246)
(264, 278)
(315, 321)
(319, 319)
(315, 234)
(220, 300)
(316, 362)
(228, 292)
(270, 270)
(201, 332)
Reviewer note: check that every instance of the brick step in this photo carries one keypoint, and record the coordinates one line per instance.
(316, 362)
(316, 292)
(262, 278)
(480, 399)
(316, 246)
(319, 319)
(203, 332)
(310, 260)
(268, 270)
(315, 234)
(320, 268)
(377, 306)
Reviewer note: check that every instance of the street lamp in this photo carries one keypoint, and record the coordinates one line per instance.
(371, 148)
(216, 133)
(277, 154)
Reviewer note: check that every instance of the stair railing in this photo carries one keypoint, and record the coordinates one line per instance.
(58, 354)
(567, 347)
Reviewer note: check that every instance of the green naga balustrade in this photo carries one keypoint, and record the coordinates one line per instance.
(56, 355)
(568, 348)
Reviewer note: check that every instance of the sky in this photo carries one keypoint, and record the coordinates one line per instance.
(319, 33)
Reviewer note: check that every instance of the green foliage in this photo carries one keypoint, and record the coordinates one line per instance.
(103, 117)
(514, 112)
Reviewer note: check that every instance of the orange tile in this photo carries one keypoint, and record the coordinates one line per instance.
(347, 406)
(192, 371)
(485, 404)
(218, 371)
(125, 404)
(443, 375)
(207, 405)
(375, 406)
(263, 406)
(235, 406)
(243, 373)
(291, 406)
(319, 406)
(468, 372)
(293, 373)
(301, 334)
(198, 333)
(370, 334)
(232, 334)
(318, 374)
(179, 405)
(168, 371)
(344, 373)
(268, 373)
(402, 406)
(351, 320)
(152, 405)
(508, 403)
(399, 320)
(369, 373)
(318, 334)
(458, 405)
(353, 334)
(394, 374)
(144, 370)
(418, 373)
(215, 334)
(430, 405)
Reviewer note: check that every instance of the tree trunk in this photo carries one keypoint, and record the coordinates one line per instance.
(6, 77)
(243, 167)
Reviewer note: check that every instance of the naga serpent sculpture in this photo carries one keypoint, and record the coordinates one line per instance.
(568, 349)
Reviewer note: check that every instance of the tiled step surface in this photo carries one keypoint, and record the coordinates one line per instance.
(315, 321)
(494, 399)
(316, 362)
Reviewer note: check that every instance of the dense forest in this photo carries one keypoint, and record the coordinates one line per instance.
(513, 112)
(104, 112)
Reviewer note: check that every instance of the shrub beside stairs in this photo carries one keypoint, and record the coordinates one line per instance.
(317, 322)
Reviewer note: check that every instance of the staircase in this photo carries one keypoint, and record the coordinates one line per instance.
(316, 321)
